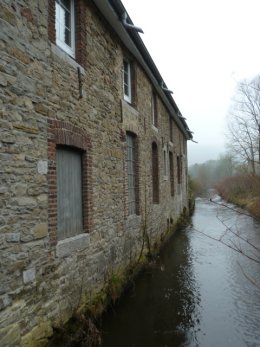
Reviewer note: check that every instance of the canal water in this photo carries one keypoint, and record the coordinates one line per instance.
(199, 292)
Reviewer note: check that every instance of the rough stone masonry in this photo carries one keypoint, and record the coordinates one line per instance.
(49, 100)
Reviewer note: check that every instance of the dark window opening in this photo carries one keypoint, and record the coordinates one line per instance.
(171, 173)
(155, 173)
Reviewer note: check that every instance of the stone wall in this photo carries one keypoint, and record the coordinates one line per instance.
(43, 279)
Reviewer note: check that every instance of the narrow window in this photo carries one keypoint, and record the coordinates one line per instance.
(171, 173)
(69, 192)
(164, 162)
(179, 169)
(154, 109)
(65, 25)
(171, 128)
(155, 173)
(131, 173)
(127, 81)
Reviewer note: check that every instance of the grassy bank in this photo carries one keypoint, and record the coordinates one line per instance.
(243, 191)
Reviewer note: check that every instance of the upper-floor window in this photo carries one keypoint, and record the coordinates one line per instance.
(65, 25)
(154, 110)
(171, 128)
(127, 81)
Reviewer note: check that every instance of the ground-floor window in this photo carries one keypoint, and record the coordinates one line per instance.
(179, 169)
(171, 173)
(132, 173)
(69, 181)
(69, 192)
(155, 173)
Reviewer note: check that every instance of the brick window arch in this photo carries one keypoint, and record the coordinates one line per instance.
(155, 173)
(63, 135)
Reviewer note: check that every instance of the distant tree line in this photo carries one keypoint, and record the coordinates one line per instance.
(207, 175)
(243, 142)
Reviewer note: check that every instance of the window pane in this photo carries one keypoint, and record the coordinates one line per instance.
(155, 173)
(131, 174)
(164, 163)
(69, 192)
(64, 23)
(68, 37)
(171, 173)
(66, 4)
(171, 129)
(126, 87)
(127, 80)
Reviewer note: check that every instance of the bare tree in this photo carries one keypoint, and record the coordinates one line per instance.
(234, 239)
(244, 123)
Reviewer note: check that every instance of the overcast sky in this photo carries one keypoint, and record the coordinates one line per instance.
(201, 48)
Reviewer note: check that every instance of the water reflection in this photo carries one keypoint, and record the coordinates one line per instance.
(196, 293)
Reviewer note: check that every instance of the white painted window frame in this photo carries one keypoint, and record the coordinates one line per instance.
(63, 45)
(154, 110)
(128, 82)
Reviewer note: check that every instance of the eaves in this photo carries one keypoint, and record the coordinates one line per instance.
(113, 11)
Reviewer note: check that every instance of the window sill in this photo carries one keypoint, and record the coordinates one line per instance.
(132, 222)
(165, 178)
(155, 128)
(68, 246)
(130, 117)
(59, 52)
(129, 103)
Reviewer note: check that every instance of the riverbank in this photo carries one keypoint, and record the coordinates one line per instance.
(193, 291)
(243, 191)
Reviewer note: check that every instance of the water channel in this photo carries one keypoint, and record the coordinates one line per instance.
(199, 292)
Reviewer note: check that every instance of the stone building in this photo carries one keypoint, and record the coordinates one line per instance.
(92, 152)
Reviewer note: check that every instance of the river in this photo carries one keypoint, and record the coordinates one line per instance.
(199, 292)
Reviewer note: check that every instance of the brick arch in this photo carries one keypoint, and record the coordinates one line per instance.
(64, 133)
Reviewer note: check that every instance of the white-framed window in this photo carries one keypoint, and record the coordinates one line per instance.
(154, 110)
(65, 25)
(127, 81)
(171, 128)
